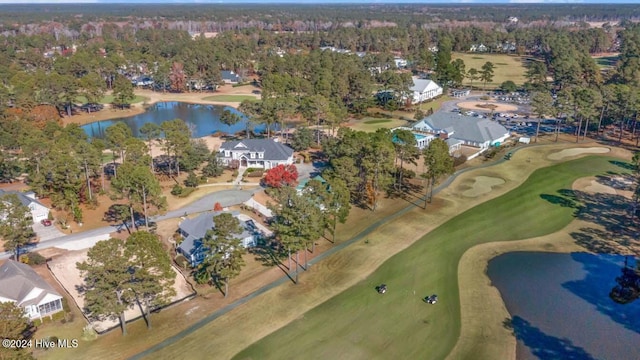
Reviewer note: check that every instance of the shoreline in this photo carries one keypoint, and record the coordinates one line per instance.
(152, 98)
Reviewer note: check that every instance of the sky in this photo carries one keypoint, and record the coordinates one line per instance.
(318, 1)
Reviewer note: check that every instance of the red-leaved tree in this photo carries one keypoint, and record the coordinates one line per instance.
(281, 175)
(217, 207)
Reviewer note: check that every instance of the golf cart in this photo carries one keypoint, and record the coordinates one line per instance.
(431, 299)
(381, 289)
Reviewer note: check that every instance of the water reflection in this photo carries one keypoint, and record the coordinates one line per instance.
(202, 119)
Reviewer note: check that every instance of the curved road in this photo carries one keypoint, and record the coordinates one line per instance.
(88, 238)
(366, 232)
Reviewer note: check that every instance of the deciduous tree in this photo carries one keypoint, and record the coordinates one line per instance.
(281, 175)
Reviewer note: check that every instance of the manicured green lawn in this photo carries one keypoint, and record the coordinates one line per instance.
(230, 98)
(108, 99)
(607, 62)
(370, 124)
(362, 324)
(507, 67)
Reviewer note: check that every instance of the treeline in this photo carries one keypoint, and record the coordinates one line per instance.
(312, 17)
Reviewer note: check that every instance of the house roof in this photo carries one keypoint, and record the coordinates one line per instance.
(229, 75)
(464, 127)
(24, 199)
(197, 228)
(272, 150)
(17, 280)
(304, 182)
(422, 85)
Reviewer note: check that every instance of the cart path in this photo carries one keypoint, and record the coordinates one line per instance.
(366, 232)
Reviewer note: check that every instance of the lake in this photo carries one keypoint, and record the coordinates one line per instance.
(203, 119)
(561, 309)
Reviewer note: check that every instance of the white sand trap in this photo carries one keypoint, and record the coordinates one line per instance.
(596, 187)
(482, 185)
(577, 151)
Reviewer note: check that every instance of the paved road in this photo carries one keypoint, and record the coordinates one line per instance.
(366, 232)
(88, 238)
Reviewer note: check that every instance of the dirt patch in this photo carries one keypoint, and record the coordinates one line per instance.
(560, 155)
(487, 105)
(483, 185)
(65, 271)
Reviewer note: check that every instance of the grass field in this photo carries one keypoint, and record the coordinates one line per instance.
(361, 324)
(230, 98)
(370, 124)
(607, 62)
(507, 67)
(108, 99)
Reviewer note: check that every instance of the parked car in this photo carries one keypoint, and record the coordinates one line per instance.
(46, 222)
(256, 92)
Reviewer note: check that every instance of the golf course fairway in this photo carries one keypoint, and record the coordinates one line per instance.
(359, 323)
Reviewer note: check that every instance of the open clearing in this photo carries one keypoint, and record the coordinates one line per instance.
(361, 324)
(371, 124)
(507, 67)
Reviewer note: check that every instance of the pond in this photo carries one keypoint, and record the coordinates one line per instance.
(561, 309)
(203, 119)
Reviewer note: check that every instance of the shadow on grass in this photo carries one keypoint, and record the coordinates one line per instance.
(544, 346)
(270, 255)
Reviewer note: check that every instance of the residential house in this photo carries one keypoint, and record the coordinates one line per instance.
(21, 285)
(194, 231)
(229, 77)
(400, 62)
(478, 48)
(463, 130)
(38, 210)
(424, 90)
(260, 153)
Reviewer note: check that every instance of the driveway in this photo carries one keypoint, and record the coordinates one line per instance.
(46, 232)
(87, 239)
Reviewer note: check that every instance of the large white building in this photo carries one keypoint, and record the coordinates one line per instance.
(467, 130)
(424, 90)
(259, 153)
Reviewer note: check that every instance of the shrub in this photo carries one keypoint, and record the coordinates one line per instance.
(191, 180)
(186, 192)
(36, 259)
(181, 261)
(459, 160)
(235, 173)
(256, 174)
(177, 190)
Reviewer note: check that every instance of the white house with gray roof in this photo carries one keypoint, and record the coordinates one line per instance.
(38, 210)
(21, 285)
(259, 153)
(424, 90)
(468, 130)
(194, 231)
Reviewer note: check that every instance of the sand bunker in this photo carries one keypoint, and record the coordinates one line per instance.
(482, 185)
(577, 151)
(592, 186)
(480, 106)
